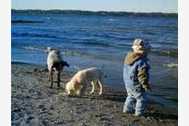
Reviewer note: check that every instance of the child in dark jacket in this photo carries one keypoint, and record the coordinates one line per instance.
(136, 78)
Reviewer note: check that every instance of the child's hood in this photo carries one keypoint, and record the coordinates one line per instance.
(132, 57)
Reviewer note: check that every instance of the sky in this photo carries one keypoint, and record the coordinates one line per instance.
(168, 6)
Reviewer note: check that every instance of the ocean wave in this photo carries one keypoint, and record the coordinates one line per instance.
(31, 48)
(87, 41)
(171, 65)
(33, 35)
(102, 44)
(170, 53)
(25, 21)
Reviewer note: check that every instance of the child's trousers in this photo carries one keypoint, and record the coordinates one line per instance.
(135, 102)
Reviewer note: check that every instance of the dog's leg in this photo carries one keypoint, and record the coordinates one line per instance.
(93, 87)
(51, 77)
(68, 92)
(78, 92)
(58, 78)
(83, 87)
(100, 85)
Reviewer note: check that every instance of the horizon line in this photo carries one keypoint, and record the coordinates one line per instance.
(155, 12)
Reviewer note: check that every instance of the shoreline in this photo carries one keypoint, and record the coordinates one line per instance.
(34, 103)
(101, 12)
(117, 85)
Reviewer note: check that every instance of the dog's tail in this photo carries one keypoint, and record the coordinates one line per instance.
(102, 69)
(64, 63)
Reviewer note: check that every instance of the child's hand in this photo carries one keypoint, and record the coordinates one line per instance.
(147, 88)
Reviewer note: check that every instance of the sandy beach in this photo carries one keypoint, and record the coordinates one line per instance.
(35, 104)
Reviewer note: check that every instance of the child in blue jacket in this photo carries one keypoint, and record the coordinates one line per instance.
(136, 78)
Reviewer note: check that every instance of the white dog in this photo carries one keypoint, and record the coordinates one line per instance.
(55, 63)
(82, 78)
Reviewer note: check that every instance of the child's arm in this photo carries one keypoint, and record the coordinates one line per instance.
(143, 76)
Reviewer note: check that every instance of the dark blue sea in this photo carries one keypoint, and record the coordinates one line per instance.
(101, 39)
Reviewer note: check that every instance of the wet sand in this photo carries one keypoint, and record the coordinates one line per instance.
(35, 104)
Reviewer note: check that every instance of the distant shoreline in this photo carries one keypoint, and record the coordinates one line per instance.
(103, 13)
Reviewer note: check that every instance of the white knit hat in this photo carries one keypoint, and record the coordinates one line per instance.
(140, 46)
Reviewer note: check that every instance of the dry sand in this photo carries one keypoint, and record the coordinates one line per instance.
(35, 104)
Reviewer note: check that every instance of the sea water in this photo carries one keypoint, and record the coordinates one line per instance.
(101, 39)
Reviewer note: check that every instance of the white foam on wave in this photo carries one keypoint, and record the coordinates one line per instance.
(33, 48)
(171, 65)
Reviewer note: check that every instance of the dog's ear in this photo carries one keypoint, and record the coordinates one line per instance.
(48, 49)
(64, 63)
(57, 51)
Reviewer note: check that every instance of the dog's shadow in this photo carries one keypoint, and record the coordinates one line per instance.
(104, 96)
(161, 116)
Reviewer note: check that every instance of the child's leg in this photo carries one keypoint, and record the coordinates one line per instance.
(129, 104)
(140, 104)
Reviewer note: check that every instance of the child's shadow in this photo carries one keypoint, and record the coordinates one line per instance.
(119, 97)
(158, 115)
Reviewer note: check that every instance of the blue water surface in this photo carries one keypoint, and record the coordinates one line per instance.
(89, 39)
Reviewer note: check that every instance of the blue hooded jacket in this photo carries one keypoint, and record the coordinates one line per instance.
(136, 71)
